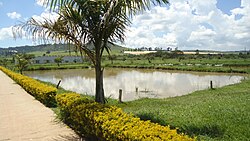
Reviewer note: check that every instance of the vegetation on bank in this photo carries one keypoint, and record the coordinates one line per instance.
(229, 63)
(204, 65)
(94, 120)
(220, 114)
(236, 63)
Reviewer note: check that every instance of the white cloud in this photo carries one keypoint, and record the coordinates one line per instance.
(6, 33)
(46, 15)
(196, 24)
(41, 2)
(14, 15)
(245, 3)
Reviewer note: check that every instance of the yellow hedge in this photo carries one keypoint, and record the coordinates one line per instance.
(104, 122)
(42, 92)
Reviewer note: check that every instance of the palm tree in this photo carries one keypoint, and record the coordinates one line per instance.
(82, 22)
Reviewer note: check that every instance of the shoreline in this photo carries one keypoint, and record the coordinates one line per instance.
(179, 68)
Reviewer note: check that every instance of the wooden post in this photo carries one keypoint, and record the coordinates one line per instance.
(57, 86)
(120, 95)
(211, 84)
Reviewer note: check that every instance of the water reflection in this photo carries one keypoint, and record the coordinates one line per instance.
(150, 83)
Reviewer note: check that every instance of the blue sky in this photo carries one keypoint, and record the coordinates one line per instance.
(186, 24)
(227, 5)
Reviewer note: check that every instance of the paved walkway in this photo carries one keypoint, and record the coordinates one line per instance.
(22, 118)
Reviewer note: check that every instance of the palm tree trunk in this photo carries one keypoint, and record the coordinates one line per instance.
(99, 96)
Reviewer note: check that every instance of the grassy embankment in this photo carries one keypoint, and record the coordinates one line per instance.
(204, 65)
(220, 114)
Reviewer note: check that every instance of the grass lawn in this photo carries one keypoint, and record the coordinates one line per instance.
(220, 114)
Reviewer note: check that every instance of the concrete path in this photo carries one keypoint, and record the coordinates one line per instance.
(22, 118)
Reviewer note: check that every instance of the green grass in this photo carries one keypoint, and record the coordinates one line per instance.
(220, 114)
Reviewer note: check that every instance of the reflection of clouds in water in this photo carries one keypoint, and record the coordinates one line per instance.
(51, 79)
(150, 84)
(79, 84)
(203, 82)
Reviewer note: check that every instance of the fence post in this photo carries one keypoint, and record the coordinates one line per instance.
(211, 85)
(120, 95)
(57, 86)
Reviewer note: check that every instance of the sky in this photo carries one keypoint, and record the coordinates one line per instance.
(221, 25)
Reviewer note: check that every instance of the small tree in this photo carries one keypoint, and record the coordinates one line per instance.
(58, 60)
(23, 61)
(4, 62)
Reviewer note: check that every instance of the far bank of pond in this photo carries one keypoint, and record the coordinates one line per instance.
(136, 83)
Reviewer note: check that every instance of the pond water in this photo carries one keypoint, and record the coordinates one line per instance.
(149, 83)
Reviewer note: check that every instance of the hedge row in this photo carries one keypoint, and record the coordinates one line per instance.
(104, 122)
(42, 92)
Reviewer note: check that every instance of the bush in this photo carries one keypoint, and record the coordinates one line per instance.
(104, 122)
(42, 92)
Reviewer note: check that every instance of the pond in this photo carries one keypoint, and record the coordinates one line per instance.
(136, 83)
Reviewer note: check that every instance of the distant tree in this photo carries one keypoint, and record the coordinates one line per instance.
(158, 49)
(197, 52)
(4, 62)
(58, 60)
(112, 58)
(48, 52)
(169, 49)
(13, 60)
(23, 61)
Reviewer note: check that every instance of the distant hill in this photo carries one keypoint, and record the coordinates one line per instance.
(47, 48)
(44, 47)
